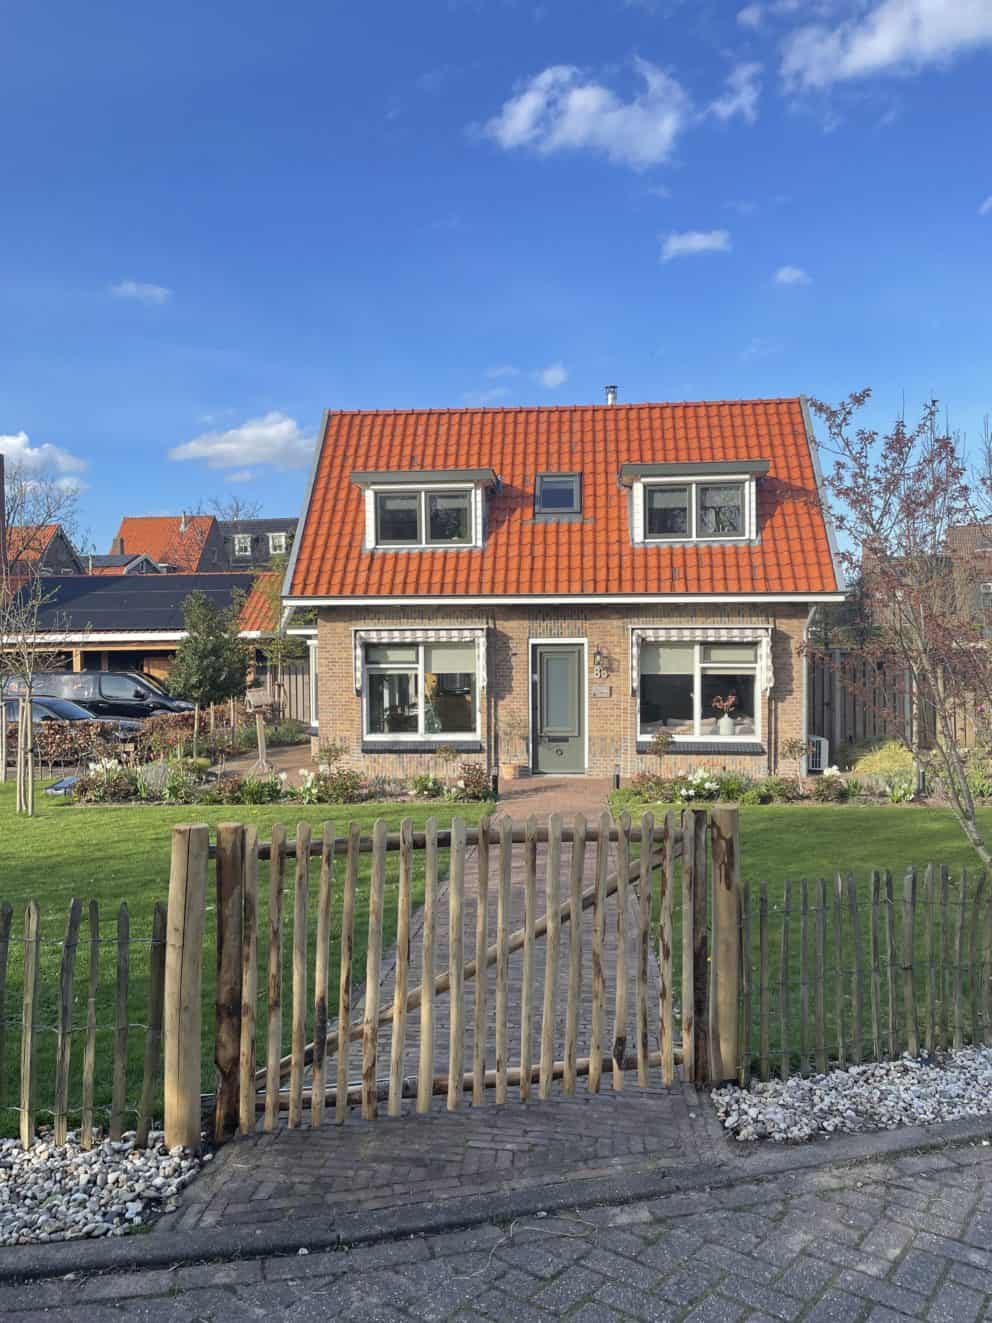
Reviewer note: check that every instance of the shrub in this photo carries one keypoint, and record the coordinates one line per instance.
(782, 789)
(979, 771)
(343, 785)
(182, 784)
(829, 789)
(901, 789)
(331, 752)
(225, 790)
(263, 789)
(702, 784)
(107, 782)
(473, 784)
(886, 758)
(426, 786)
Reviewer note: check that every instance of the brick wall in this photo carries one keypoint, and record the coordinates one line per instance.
(612, 720)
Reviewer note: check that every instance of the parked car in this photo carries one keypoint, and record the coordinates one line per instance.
(107, 693)
(60, 709)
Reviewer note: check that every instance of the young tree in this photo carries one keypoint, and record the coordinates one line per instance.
(277, 646)
(31, 639)
(894, 499)
(211, 663)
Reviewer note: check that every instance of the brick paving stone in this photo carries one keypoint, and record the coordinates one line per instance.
(954, 1303)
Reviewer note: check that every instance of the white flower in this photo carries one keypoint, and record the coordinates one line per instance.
(832, 771)
(283, 776)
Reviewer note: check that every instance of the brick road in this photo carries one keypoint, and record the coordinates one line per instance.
(909, 1238)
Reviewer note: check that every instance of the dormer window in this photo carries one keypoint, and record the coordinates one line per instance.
(694, 502)
(242, 544)
(277, 544)
(424, 509)
(423, 518)
(558, 494)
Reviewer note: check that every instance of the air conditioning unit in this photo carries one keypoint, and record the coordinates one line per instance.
(818, 756)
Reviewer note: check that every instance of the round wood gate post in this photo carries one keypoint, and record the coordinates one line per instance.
(184, 985)
(725, 963)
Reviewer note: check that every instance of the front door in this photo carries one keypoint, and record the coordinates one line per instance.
(559, 708)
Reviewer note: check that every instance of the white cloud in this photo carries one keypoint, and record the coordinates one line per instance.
(742, 95)
(140, 292)
(792, 275)
(559, 110)
(502, 370)
(480, 398)
(45, 460)
(751, 16)
(272, 439)
(693, 243)
(241, 475)
(986, 208)
(893, 36)
(553, 376)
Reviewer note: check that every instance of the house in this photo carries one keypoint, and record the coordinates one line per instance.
(252, 544)
(44, 547)
(132, 622)
(565, 589)
(180, 544)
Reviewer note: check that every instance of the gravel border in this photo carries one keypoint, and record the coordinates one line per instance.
(909, 1091)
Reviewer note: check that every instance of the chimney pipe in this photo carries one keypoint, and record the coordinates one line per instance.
(611, 395)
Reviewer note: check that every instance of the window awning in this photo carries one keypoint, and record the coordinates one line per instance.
(464, 634)
(760, 634)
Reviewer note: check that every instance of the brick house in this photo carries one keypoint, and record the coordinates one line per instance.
(548, 588)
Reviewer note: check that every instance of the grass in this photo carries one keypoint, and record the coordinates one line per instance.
(120, 853)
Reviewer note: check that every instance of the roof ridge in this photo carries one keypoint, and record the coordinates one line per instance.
(567, 408)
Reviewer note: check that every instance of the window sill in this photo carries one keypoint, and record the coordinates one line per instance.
(421, 746)
(737, 747)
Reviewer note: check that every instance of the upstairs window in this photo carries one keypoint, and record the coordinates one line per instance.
(277, 544)
(423, 518)
(558, 494)
(696, 511)
(242, 544)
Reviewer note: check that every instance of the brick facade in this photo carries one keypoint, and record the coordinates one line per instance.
(612, 720)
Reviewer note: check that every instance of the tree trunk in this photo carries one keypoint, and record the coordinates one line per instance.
(196, 729)
(3, 741)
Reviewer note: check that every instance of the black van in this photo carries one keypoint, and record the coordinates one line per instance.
(106, 693)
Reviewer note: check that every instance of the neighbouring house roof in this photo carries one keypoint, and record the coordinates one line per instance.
(31, 540)
(120, 564)
(592, 556)
(174, 540)
(259, 615)
(143, 605)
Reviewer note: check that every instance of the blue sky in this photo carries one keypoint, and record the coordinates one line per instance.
(219, 220)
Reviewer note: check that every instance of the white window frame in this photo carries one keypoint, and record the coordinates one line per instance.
(699, 667)
(692, 483)
(985, 595)
(240, 539)
(423, 542)
(277, 544)
(419, 736)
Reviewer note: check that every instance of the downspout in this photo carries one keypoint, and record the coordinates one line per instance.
(804, 760)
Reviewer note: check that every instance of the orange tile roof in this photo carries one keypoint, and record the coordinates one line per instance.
(29, 540)
(162, 538)
(260, 612)
(595, 556)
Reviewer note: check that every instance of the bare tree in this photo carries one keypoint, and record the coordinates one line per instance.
(896, 500)
(231, 509)
(31, 641)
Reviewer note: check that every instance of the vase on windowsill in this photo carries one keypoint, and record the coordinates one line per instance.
(726, 725)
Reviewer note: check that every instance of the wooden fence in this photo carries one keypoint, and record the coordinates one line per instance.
(538, 1034)
(839, 972)
(80, 1058)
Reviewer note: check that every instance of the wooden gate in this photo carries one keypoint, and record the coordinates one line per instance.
(485, 991)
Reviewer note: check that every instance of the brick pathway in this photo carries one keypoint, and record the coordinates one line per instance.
(874, 1243)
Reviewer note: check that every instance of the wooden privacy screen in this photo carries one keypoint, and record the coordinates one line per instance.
(471, 986)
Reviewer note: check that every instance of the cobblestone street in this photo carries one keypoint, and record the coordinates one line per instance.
(907, 1238)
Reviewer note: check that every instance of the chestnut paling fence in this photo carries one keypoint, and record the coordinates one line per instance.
(542, 1017)
(306, 978)
(844, 970)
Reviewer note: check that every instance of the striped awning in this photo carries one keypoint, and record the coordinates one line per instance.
(464, 634)
(759, 634)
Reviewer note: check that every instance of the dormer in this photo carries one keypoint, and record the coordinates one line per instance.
(426, 509)
(694, 503)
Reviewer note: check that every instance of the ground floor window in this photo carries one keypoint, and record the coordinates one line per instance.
(421, 690)
(699, 690)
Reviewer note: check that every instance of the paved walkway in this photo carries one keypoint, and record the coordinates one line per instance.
(877, 1243)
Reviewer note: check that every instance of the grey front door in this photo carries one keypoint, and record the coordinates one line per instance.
(559, 708)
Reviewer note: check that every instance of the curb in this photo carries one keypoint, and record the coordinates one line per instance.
(166, 1250)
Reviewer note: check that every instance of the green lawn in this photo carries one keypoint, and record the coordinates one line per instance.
(114, 854)
(121, 853)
